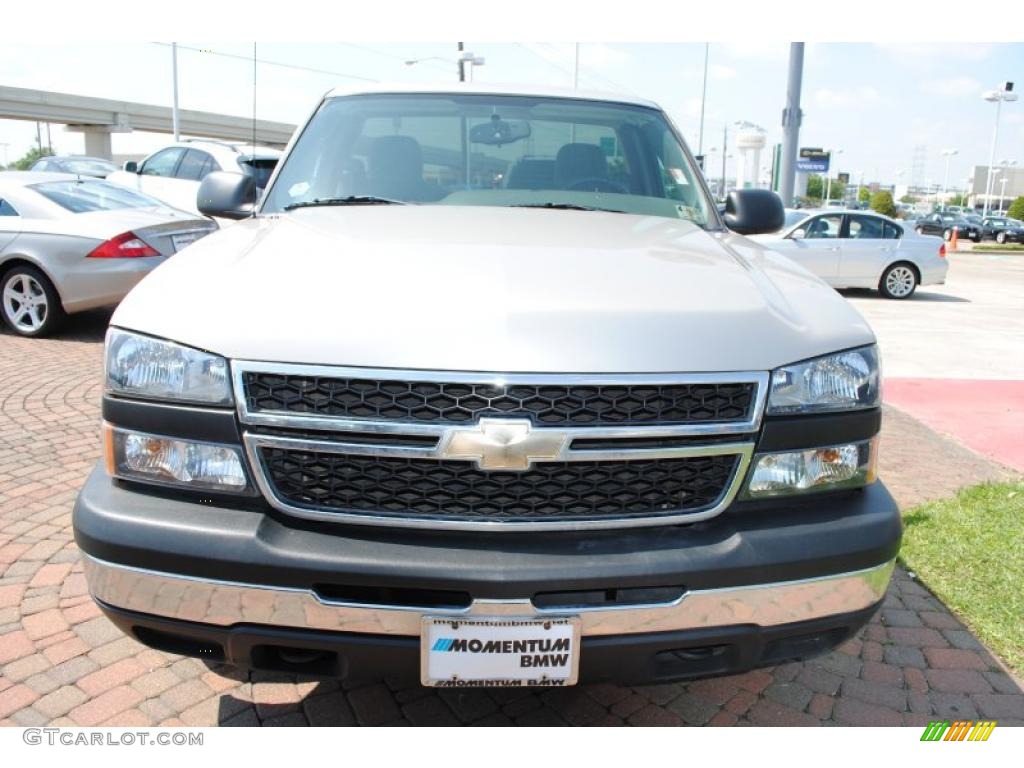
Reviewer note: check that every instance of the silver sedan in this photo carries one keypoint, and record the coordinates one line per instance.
(862, 249)
(70, 243)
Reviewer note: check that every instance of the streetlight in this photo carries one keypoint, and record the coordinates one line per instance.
(465, 57)
(1005, 93)
(1002, 193)
(828, 186)
(947, 153)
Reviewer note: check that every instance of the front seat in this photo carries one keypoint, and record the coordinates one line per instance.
(396, 170)
(575, 162)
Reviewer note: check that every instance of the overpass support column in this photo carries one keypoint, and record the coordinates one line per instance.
(97, 140)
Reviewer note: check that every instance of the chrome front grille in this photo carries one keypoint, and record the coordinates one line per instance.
(497, 465)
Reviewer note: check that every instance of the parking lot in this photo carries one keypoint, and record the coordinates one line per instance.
(63, 663)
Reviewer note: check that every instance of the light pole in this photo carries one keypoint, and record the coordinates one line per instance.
(174, 82)
(465, 57)
(1005, 93)
(828, 186)
(1002, 193)
(947, 153)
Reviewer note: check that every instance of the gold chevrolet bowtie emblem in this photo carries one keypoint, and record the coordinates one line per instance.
(504, 444)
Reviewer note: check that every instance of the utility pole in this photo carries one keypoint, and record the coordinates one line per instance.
(703, 98)
(174, 83)
(576, 69)
(39, 138)
(791, 118)
(725, 150)
(462, 64)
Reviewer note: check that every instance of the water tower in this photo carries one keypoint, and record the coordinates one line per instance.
(750, 140)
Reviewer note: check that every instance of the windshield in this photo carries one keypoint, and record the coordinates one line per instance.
(85, 196)
(88, 166)
(458, 149)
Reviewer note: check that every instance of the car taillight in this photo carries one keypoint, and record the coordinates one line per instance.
(942, 251)
(126, 246)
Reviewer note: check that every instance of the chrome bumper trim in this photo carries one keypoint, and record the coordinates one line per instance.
(223, 603)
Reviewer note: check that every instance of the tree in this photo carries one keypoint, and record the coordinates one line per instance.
(25, 161)
(1016, 209)
(863, 195)
(882, 202)
(908, 199)
(816, 186)
(958, 199)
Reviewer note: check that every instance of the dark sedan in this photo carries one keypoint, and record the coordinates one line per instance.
(1002, 230)
(96, 167)
(944, 223)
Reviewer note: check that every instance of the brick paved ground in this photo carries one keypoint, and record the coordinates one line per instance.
(61, 662)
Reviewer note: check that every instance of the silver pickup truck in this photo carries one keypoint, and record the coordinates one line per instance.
(485, 391)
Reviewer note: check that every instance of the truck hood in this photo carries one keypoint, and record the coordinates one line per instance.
(491, 289)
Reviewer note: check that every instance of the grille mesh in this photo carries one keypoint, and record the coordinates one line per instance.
(560, 404)
(458, 490)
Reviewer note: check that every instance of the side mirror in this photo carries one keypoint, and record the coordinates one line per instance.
(798, 234)
(131, 166)
(228, 195)
(754, 212)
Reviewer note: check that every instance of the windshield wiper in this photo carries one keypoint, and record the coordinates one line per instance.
(566, 207)
(350, 200)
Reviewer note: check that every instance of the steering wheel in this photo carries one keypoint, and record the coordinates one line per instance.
(597, 184)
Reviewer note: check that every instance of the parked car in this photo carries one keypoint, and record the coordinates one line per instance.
(1002, 230)
(858, 249)
(173, 174)
(944, 223)
(81, 165)
(536, 419)
(68, 244)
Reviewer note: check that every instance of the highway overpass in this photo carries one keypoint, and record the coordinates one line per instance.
(99, 118)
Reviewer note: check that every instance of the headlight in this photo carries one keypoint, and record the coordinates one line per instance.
(162, 370)
(851, 465)
(839, 382)
(171, 461)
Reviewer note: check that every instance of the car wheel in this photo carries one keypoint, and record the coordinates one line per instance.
(898, 281)
(31, 306)
(1001, 238)
(947, 234)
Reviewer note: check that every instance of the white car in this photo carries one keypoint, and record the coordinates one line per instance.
(861, 249)
(173, 174)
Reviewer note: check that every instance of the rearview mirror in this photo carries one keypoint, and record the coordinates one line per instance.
(497, 131)
(754, 212)
(228, 195)
(131, 166)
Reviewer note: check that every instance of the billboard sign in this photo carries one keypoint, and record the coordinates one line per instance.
(812, 160)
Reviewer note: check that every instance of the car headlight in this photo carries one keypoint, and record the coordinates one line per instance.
(851, 465)
(143, 366)
(838, 382)
(173, 461)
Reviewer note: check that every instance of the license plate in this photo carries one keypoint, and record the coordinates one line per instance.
(186, 238)
(500, 651)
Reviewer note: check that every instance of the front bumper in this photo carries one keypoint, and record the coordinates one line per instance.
(759, 583)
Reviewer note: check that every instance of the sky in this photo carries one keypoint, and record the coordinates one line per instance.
(877, 103)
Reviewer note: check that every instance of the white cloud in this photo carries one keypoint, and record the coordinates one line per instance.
(861, 95)
(721, 72)
(953, 86)
(927, 53)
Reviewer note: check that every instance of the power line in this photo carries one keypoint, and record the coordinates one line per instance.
(247, 59)
(395, 56)
(593, 77)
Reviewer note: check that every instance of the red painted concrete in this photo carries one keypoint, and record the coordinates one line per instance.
(986, 416)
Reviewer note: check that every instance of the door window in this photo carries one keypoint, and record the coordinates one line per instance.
(866, 228)
(163, 162)
(194, 165)
(6, 209)
(891, 231)
(824, 227)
